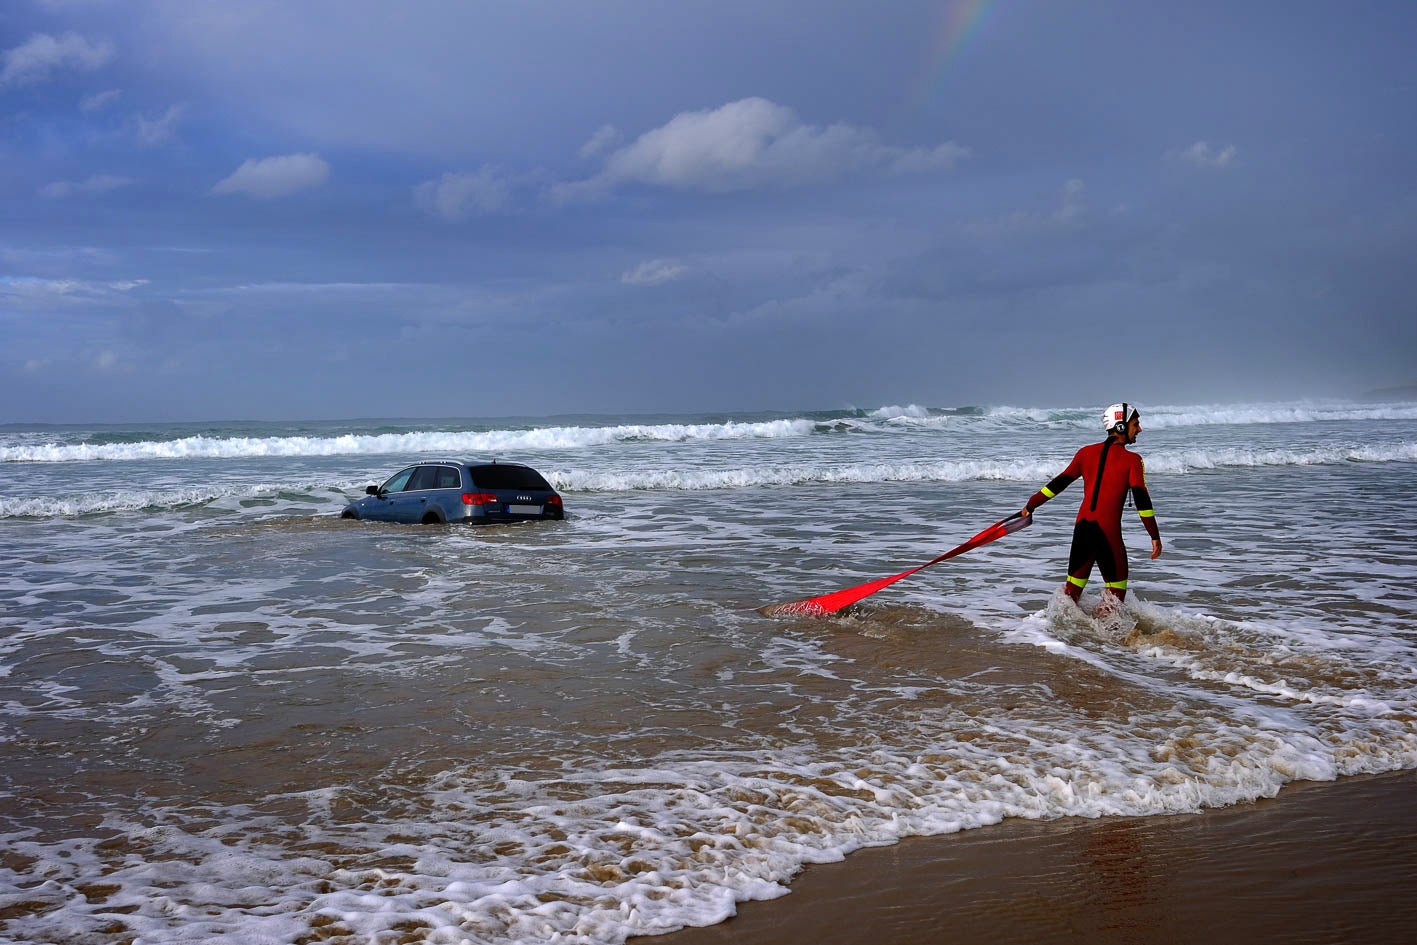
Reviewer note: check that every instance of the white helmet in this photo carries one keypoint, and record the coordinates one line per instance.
(1116, 417)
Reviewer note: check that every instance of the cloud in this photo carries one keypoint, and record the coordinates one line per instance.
(603, 140)
(926, 160)
(654, 272)
(1071, 210)
(41, 294)
(17, 287)
(1200, 154)
(41, 54)
(97, 184)
(313, 288)
(99, 101)
(751, 144)
(1073, 202)
(160, 130)
(456, 197)
(275, 176)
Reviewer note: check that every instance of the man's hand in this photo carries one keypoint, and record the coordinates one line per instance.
(1155, 548)
(1026, 512)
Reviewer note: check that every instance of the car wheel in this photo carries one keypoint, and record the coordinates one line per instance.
(431, 519)
(349, 513)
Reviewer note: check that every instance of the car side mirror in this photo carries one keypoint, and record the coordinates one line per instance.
(371, 490)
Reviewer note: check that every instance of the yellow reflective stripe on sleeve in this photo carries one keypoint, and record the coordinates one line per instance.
(1147, 513)
(1076, 581)
(1117, 585)
(1048, 492)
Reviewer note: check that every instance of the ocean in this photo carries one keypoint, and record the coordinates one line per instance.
(227, 715)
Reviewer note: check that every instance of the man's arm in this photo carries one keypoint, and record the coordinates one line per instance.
(1055, 485)
(1142, 499)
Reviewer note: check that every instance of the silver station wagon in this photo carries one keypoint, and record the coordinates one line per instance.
(448, 491)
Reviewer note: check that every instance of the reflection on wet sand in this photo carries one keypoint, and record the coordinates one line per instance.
(1322, 863)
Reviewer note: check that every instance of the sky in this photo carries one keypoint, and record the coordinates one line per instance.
(435, 208)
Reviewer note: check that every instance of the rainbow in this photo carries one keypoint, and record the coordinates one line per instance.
(958, 22)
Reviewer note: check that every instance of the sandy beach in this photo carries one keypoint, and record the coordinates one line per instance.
(1321, 863)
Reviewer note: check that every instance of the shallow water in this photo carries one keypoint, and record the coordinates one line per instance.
(226, 715)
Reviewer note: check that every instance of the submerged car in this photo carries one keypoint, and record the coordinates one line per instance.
(449, 491)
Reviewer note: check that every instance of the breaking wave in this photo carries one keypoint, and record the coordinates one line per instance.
(445, 442)
(580, 480)
(884, 420)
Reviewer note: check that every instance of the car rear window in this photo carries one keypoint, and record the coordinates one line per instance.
(499, 476)
(448, 478)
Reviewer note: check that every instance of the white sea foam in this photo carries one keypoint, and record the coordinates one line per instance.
(896, 412)
(1183, 461)
(451, 443)
(330, 496)
(91, 503)
(24, 448)
(1024, 471)
(577, 480)
(598, 855)
(1161, 416)
(1235, 415)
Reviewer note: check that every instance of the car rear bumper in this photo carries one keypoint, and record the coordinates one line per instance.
(497, 517)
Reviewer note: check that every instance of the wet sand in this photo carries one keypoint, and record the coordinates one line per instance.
(1324, 863)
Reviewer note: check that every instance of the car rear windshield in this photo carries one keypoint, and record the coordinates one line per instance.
(507, 477)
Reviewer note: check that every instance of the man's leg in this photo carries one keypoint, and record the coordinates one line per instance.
(1081, 558)
(1112, 562)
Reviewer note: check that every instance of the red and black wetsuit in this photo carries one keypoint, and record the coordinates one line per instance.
(1107, 471)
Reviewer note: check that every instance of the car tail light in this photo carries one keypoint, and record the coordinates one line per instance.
(555, 501)
(479, 498)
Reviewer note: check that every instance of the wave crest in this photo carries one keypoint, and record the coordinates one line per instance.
(446, 442)
(883, 421)
(581, 480)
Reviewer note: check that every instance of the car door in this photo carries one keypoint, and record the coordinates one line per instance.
(410, 505)
(381, 507)
(448, 491)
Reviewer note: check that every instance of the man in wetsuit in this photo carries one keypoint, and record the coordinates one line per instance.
(1107, 471)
